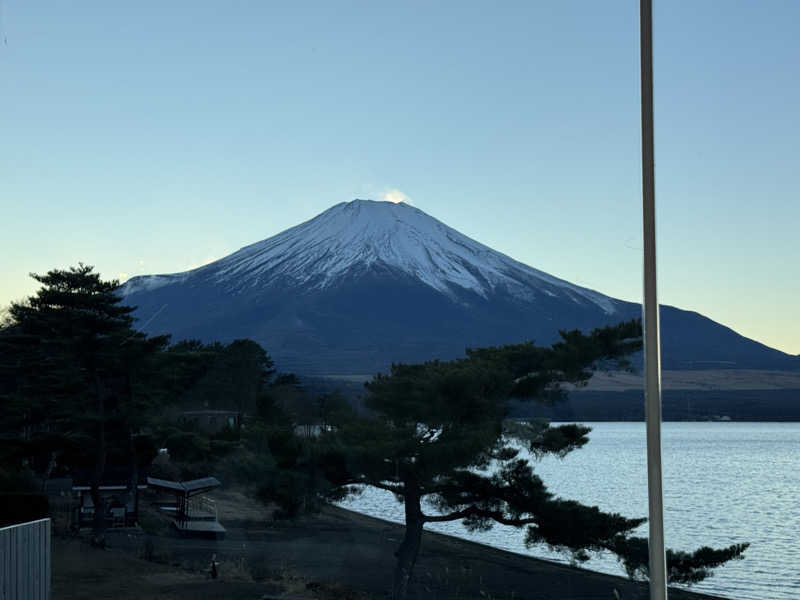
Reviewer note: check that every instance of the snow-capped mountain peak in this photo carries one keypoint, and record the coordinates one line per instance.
(356, 236)
(367, 284)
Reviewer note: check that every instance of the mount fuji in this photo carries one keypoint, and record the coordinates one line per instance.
(367, 283)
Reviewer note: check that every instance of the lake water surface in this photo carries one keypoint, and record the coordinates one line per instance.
(723, 483)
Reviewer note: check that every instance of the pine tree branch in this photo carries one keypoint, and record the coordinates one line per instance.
(474, 511)
(395, 489)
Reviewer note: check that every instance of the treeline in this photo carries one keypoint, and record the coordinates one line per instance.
(84, 394)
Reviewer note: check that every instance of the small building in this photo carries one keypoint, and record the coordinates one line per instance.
(120, 501)
(193, 513)
(210, 421)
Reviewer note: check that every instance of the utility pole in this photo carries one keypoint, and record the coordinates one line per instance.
(652, 346)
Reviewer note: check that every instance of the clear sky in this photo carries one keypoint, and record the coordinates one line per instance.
(152, 137)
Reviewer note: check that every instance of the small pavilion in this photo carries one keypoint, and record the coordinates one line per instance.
(193, 513)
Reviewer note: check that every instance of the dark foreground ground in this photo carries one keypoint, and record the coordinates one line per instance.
(338, 554)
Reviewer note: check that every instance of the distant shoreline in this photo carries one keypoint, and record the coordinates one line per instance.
(695, 380)
(758, 406)
(687, 396)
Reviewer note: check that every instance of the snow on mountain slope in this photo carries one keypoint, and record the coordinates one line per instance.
(355, 236)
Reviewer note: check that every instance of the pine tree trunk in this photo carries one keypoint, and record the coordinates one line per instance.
(134, 479)
(134, 465)
(99, 524)
(409, 548)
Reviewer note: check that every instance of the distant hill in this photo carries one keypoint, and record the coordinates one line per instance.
(367, 283)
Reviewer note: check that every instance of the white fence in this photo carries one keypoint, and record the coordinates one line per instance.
(25, 561)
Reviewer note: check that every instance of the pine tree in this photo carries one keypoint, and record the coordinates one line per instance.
(440, 439)
(81, 367)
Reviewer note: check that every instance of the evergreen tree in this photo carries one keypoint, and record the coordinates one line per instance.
(441, 445)
(81, 369)
(219, 376)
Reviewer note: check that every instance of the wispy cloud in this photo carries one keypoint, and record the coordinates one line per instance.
(396, 196)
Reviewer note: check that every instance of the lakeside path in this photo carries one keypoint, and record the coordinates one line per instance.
(353, 552)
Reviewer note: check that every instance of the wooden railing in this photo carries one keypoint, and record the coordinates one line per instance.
(201, 507)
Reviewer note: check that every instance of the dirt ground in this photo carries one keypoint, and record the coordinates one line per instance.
(337, 554)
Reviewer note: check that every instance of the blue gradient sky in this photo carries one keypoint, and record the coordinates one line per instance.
(153, 137)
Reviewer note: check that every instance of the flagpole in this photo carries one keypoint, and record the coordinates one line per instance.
(652, 358)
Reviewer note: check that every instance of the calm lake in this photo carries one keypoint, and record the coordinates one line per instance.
(723, 483)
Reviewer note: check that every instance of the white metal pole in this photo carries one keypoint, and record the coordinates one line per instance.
(652, 350)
